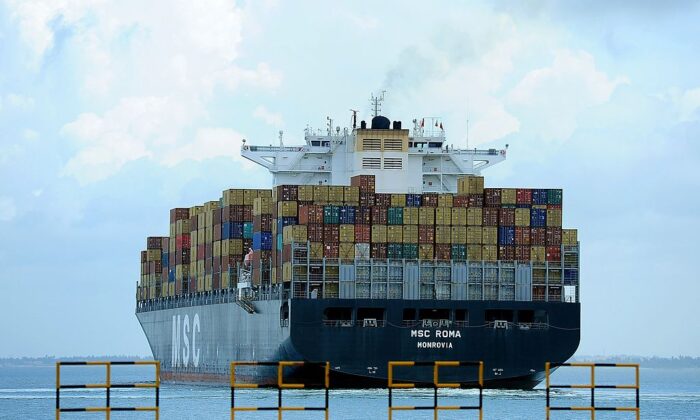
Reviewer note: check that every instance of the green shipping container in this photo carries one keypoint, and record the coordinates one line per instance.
(248, 230)
(395, 216)
(554, 197)
(459, 252)
(410, 251)
(394, 251)
(331, 215)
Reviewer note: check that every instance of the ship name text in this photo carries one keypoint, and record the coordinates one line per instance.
(184, 341)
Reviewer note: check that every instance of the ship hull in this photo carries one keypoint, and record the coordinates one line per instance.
(197, 343)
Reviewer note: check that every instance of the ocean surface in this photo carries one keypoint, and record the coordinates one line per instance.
(29, 393)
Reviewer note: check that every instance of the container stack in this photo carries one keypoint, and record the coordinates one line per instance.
(207, 244)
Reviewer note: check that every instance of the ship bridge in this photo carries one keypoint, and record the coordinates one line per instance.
(402, 160)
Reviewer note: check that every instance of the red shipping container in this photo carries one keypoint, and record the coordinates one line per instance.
(378, 251)
(183, 241)
(506, 217)
(310, 214)
(216, 265)
(192, 285)
(208, 264)
(429, 200)
(179, 214)
(216, 233)
(426, 234)
(379, 215)
(554, 236)
(492, 197)
(367, 199)
(331, 250)
(522, 252)
(553, 253)
(507, 252)
(382, 200)
(363, 216)
(315, 232)
(538, 236)
(154, 242)
(331, 234)
(144, 256)
(363, 233)
(460, 201)
(201, 252)
(490, 216)
(522, 236)
(443, 251)
(178, 287)
(165, 243)
(247, 214)
(216, 216)
(523, 196)
(366, 183)
(287, 193)
(216, 281)
(476, 200)
(193, 223)
(208, 251)
(554, 206)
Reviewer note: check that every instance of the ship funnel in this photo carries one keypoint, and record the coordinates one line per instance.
(363, 124)
(380, 123)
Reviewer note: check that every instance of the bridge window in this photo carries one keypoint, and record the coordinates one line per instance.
(370, 317)
(499, 315)
(461, 315)
(531, 316)
(315, 143)
(337, 314)
(434, 314)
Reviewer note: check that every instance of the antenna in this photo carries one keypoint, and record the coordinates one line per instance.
(467, 133)
(354, 118)
(376, 102)
(281, 134)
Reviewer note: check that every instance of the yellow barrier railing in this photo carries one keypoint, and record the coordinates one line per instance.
(108, 386)
(279, 386)
(436, 385)
(592, 386)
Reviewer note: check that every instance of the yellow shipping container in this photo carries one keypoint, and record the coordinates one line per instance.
(553, 217)
(210, 205)
(262, 205)
(233, 197)
(208, 235)
(410, 233)
(193, 268)
(347, 233)
(352, 194)
(522, 217)
(306, 193)
(474, 235)
(489, 253)
(474, 252)
(200, 268)
(287, 209)
(459, 234)
(249, 196)
(410, 215)
(173, 230)
(336, 194)
(475, 216)
(294, 233)
(226, 280)
(316, 250)
(193, 238)
(196, 210)
(208, 282)
(201, 220)
(287, 272)
(209, 218)
(379, 233)
(182, 227)
(398, 200)
(538, 254)
(217, 248)
(347, 251)
(443, 235)
(232, 247)
(443, 216)
(394, 234)
(321, 193)
(426, 216)
(470, 185)
(569, 237)
(426, 252)
(445, 200)
(539, 206)
(265, 193)
(489, 235)
(508, 196)
(459, 216)
(153, 255)
(201, 236)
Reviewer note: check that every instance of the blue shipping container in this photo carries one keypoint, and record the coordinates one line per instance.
(171, 275)
(538, 218)
(279, 241)
(165, 259)
(247, 230)
(506, 235)
(285, 221)
(413, 200)
(232, 230)
(262, 241)
(347, 215)
(539, 196)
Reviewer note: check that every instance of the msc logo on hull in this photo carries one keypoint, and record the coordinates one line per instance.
(184, 341)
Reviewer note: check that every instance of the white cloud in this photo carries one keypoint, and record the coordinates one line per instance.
(270, 118)
(153, 66)
(8, 211)
(209, 143)
(551, 98)
(30, 134)
(689, 105)
(19, 101)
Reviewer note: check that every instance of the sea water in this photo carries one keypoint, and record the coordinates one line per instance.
(29, 393)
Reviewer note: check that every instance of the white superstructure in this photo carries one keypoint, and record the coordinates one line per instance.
(402, 160)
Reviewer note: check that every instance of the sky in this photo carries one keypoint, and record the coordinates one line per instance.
(111, 113)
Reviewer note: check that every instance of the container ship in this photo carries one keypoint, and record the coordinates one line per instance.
(375, 243)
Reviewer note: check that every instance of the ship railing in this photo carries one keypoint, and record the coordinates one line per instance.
(592, 386)
(338, 323)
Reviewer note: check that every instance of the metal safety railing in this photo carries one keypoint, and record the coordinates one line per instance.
(592, 386)
(108, 386)
(436, 385)
(279, 386)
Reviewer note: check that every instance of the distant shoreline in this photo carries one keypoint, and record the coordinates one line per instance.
(677, 362)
